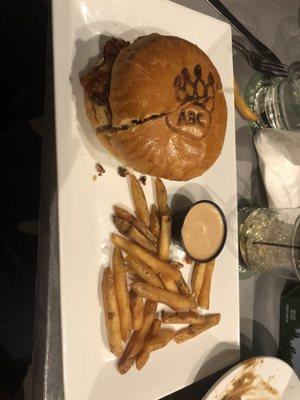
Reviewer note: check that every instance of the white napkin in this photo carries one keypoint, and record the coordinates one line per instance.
(279, 162)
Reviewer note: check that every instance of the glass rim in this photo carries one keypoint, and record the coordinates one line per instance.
(295, 229)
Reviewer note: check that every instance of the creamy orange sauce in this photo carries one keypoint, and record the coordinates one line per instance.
(203, 231)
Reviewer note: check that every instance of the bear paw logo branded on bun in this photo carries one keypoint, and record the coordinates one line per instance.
(197, 90)
(193, 118)
(162, 111)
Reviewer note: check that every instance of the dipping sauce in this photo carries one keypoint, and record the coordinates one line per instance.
(203, 231)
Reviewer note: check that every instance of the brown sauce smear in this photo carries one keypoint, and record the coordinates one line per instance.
(251, 384)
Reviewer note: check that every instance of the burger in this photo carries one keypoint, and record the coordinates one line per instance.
(157, 105)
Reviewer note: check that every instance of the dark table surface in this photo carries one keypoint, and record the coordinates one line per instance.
(274, 22)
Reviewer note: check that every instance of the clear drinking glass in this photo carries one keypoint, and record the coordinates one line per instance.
(269, 240)
(278, 104)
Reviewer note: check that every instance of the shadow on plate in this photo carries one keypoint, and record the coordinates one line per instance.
(186, 195)
(218, 355)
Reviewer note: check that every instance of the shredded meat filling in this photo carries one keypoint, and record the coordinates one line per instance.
(97, 81)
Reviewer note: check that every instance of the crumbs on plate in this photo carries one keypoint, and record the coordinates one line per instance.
(143, 179)
(123, 171)
(100, 170)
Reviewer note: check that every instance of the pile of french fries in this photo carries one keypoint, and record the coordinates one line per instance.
(141, 260)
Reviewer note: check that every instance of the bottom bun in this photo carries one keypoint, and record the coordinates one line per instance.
(104, 139)
(154, 147)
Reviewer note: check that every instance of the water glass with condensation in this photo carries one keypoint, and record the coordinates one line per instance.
(269, 240)
(278, 104)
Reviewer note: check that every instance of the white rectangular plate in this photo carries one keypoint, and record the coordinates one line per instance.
(85, 205)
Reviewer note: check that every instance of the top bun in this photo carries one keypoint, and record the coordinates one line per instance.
(143, 74)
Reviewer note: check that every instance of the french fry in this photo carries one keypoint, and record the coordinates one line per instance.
(155, 327)
(169, 283)
(244, 110)
(185, 291)
(128, 268)
(137, 339)
(139, 200)
(185, 317)
(111, 313)
(163, 251)
(160, 340)
(137, 310)
(124, 214)
(134, 279)
(131, 274)
(125, 362)
(141, 359)
(157, 342)
(176, 264)
(197, 279)
(122, 295)
(137, 237)
(204, 296)
(149, 315)
(122, 225)
(193, 330)
(141, 254)
(161, 197)
(143, 356)
(164, 238)
(171, 299)
(143, 228)
(154, 224)
(144, 272)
